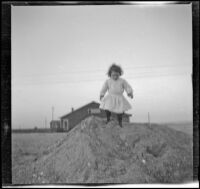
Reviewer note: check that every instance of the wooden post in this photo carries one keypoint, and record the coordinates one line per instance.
(52, 113)
(45, 122)
(149, 121)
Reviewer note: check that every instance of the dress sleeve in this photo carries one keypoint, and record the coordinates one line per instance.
(127, 87)
(104, 88)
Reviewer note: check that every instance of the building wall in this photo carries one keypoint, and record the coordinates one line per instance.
(78, 115)
(65, 126)
(102, 114)
(55, 125)
(125, 118)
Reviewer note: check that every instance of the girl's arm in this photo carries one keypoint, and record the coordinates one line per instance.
(104, 89)
(128, 88)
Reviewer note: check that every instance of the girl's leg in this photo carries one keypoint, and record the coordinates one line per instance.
(108, 114)
(119, 116)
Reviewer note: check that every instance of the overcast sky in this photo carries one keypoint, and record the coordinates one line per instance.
(60, 56)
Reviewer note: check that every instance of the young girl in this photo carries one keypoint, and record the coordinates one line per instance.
(115, 101)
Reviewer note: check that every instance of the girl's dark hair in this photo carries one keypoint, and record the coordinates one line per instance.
(115, 68)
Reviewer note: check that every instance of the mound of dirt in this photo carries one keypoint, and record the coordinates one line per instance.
(94, 152)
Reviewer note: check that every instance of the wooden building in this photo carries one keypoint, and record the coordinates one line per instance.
(55, 125)
(70, 120)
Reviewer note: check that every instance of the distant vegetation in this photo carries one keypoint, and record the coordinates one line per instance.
(34, 130)
(186, 127)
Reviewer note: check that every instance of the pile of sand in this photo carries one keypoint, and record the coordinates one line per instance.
(94, 152)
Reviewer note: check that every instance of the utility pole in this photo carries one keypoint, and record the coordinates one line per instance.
(52, 112)
(149, 121)
(45, 123)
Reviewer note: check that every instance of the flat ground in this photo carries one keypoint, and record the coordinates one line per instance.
(97, 153)
(28, 147)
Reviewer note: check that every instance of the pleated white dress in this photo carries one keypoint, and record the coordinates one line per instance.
(114, 101)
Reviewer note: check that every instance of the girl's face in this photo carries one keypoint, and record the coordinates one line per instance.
(114, 75)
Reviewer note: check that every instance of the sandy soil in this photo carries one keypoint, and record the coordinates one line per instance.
(94, 152)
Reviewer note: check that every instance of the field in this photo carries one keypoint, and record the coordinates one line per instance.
(133, 154)
(28, 147)
(186, 127)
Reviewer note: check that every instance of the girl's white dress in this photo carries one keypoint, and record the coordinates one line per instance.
(114, 101)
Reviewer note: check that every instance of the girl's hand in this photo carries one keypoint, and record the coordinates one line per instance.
(130, 95)
(101, 96)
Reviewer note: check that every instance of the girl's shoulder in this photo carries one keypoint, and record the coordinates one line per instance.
(107, 80)
(122, 79)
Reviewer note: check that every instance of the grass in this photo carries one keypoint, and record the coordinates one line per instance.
(94, 152)
(29, 147)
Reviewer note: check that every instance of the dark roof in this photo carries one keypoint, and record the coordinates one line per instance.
(93, 102)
